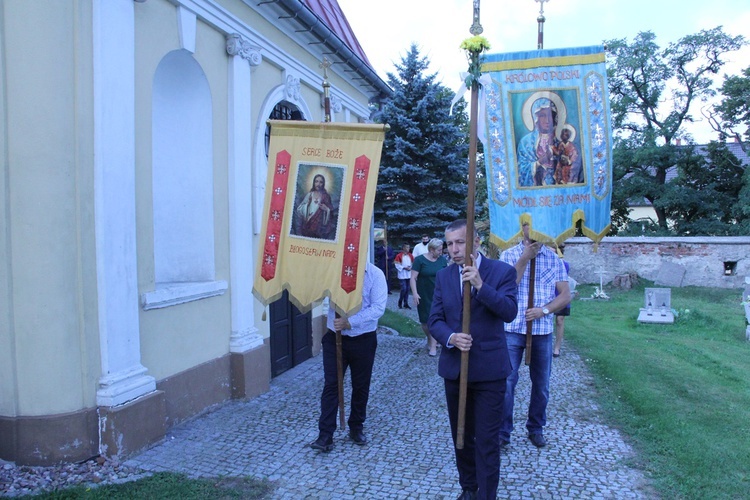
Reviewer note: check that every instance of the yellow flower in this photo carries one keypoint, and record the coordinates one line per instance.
(475, 44)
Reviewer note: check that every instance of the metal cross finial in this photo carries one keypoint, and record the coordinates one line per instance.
(541, 6)
(325, 65)
(476, 28)
(326, 90)
(540, 20)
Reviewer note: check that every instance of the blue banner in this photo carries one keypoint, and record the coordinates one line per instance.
(548, 145)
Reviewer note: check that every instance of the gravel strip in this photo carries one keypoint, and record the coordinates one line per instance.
(27, 480)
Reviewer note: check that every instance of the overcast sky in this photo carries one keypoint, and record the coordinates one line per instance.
(386, 28)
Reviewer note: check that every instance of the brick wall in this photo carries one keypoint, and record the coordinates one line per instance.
(703, 258)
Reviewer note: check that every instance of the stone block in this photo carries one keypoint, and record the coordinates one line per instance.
(661, 316)
(670, 274)
(657, 308)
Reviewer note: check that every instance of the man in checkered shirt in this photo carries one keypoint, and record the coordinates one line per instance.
(550, 275)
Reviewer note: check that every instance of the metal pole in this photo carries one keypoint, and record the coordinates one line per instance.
(540, 20)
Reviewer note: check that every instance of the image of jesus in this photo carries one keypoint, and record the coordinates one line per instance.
(315, 214)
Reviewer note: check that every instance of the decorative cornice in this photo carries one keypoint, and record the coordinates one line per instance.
(336, 103)
(292, 88)
(238, 46)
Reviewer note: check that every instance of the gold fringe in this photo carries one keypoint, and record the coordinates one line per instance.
(525, 218)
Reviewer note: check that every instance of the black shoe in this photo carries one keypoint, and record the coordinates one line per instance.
(399, 305)
(407, 307)
(358, 437)
(324, 443)
(503, 444)
(467, 495)
(538, 440)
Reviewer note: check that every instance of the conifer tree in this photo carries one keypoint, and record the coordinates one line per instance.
(422, 183)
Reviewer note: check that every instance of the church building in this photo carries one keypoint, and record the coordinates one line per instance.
(134, 143)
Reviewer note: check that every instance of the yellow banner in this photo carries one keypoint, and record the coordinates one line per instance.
(318, 207)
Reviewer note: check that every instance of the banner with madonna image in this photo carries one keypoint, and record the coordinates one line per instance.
(318, 207)
(547, 142)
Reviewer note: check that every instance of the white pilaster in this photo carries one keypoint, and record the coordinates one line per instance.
(244, 335)
(123, 377)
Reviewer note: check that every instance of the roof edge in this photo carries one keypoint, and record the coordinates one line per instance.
(305, 15)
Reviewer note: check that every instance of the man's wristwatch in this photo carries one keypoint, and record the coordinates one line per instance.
(545, 311)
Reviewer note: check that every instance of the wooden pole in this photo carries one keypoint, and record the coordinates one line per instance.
(340, 376)
(464, 373)
(475, 29)
(532, 278)
(385, 244)
(339, 354)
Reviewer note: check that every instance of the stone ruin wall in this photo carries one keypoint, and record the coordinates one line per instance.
(683, 261)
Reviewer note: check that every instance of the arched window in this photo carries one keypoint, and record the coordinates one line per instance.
(282, 111)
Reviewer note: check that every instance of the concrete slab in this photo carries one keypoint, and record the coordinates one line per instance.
(670, 274)
(655, 316)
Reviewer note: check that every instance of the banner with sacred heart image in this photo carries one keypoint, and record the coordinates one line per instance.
(547, 143)
(318, 208)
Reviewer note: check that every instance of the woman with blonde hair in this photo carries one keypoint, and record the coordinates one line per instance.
(423, 272)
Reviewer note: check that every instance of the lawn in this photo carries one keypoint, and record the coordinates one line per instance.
(168, 486)
(681, 391)
(406, 327)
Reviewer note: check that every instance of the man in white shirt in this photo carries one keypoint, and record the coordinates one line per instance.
(421, 248)
(358, 344)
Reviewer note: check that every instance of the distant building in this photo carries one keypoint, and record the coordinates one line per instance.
(134, 141)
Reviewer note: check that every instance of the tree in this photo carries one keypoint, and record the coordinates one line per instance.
(422, 182)
(653, 93)
(703, 199)
(734, 109)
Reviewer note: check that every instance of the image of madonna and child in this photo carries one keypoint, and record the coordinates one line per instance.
(543, 158)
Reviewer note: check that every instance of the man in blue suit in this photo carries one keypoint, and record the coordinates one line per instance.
(493, 304)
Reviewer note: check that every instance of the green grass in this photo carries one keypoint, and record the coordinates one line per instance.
(680, 391)
(406, 327)
(168, 486)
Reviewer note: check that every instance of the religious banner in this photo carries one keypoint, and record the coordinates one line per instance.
(547, 143)
(318, 207)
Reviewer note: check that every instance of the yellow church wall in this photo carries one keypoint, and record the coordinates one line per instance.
(49, 341)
